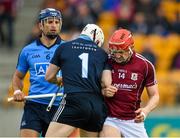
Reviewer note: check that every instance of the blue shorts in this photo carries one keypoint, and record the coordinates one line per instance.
(36, 117)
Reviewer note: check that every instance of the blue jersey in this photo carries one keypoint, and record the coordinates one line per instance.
(82, 63)
(35, 58)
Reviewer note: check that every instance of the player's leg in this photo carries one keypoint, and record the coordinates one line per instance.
(84, 133)
(75, 133)
(110, 128)
(30, 123)
(109, 131)
(59, 130)
(28, 133)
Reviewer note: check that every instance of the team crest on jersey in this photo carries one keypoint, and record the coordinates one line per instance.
(134, 76)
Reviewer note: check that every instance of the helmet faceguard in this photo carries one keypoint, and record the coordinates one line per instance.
(47, 14)
(120, 46)
(95, 33)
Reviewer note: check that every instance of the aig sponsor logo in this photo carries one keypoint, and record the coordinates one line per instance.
(41, 69)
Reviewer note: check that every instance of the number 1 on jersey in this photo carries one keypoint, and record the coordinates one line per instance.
(84, 57)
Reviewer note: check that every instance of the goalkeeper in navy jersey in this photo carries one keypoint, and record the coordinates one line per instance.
(81, 62)
(35, 58)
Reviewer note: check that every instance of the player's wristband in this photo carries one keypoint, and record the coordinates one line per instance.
(17, 92)
(144, 115)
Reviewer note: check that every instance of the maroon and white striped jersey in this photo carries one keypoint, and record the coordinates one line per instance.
(130, 79)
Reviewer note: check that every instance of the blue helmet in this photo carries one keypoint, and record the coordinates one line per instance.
(49, 12)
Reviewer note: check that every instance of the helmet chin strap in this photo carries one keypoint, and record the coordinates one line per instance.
(130, 55)
(130, 51)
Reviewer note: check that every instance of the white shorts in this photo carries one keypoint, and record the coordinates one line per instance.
(128, 128)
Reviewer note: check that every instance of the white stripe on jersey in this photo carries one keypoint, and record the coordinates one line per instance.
(146, 60)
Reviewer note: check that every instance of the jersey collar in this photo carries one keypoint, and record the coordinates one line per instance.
(85, 37)
(39, 43)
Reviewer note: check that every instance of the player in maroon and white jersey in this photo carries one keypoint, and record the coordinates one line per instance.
(124, 80)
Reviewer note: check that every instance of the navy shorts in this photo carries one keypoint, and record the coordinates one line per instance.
(82, 110)
(36, 117)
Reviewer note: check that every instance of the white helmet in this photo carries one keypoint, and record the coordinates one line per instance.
(95, 33)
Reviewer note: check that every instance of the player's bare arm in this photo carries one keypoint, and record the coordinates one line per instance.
(106, 82)
(51, 74)
(152, 103)
(17, 84)
(106, 79)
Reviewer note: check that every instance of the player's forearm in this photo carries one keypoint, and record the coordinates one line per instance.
(56, 80)
(51, 74)
(17, 83)
(106, 79)
(152, 103)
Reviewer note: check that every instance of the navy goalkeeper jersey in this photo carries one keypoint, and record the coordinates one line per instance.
(81, 62)
(35, 58)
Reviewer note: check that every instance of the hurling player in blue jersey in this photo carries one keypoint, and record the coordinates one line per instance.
(35, 58)
(81, 62)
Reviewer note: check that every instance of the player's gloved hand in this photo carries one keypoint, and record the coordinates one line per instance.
(141, 114)
(109, 91)
(18, 96)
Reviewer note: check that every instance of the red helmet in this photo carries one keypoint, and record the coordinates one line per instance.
(121, 40)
